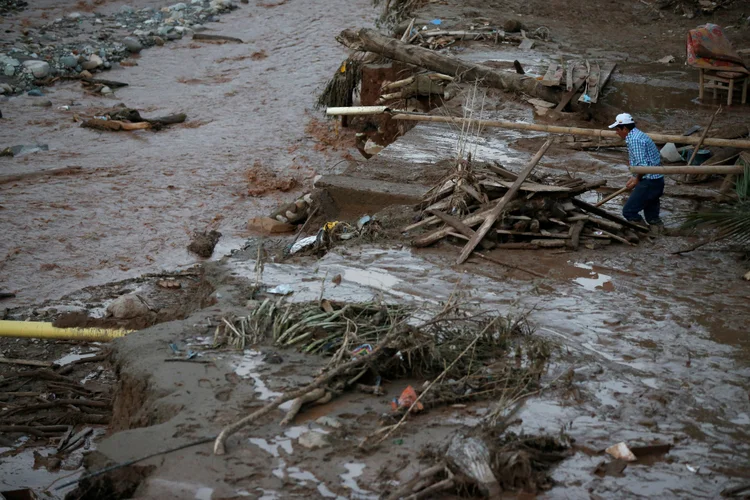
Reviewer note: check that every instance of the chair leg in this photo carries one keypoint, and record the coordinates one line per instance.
(701, 82)
(731, 91)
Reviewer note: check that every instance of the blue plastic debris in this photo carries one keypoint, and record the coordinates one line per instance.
(436, 22)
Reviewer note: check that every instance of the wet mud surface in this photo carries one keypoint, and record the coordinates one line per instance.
(648, 347)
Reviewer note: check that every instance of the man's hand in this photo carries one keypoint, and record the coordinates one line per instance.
(632, 182)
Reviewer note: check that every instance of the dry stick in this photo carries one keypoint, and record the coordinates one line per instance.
(703, 137)
(612, 196)
(220, 443)
(27, 362)
(427, 492)
(432, 384)
(22, 429)
(498, 209)
(511, 266)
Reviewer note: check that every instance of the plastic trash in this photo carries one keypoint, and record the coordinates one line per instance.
(302, 244)
(364, 220)
(669, 152)
(364, 349)
(436, 22)
(406, 399)
(586, 98)
(281, 290)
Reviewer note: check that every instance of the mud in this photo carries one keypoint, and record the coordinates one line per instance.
(648, 347)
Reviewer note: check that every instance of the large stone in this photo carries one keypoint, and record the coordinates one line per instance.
(128, 306)
(270, 226)
(312, 440)
(132, 44)
(177, 6)
(39, 69)
(94, 62)
(69, 61)
(9, 70)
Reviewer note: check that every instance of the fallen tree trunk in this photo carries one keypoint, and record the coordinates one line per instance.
(371, 41)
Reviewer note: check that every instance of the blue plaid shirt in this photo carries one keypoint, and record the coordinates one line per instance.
(643, 152)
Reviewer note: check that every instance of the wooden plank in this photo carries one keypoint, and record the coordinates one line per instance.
(553, 75)
(498, 209)
(454, 223)
(606, 73)
(569, 95)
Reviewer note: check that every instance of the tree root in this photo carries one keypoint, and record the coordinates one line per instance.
(314, 395)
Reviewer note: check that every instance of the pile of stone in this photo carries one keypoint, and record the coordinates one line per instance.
(44, 53)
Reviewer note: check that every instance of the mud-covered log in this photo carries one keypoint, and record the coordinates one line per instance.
(371, 41)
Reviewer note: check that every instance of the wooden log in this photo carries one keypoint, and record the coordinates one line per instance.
(368, 40)
(471, 220)
(41, 173)
(533, 235)
(566, 98)
(168, 120)
(690, 169)
(517, 246)
(575, 234)
(555, 129)
(548, 243)
(529, 187)
(500, 206)
(606, 224)
(606, 215)
(703, 137)
(216, 38)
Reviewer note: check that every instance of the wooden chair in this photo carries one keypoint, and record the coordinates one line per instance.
(723, 80)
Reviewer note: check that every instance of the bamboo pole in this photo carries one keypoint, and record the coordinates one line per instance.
(498, 209)
(39, 330)
(554, 129)
(357, 110)
(703, 137)
(690, 169)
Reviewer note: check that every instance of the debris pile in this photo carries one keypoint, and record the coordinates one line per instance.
(126, 119)
(40, 61)
(546, 214)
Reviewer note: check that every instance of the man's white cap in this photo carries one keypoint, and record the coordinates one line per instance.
(622, 119)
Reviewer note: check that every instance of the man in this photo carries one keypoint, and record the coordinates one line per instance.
(646, 188)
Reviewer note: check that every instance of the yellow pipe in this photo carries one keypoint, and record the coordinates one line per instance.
(39, 330)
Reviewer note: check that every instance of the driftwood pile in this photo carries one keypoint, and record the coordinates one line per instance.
(127, 119)
(544, 214)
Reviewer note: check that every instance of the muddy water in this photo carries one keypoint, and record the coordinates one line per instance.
(650, 367)
(141, 194)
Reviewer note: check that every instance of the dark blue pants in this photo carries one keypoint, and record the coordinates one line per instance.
(645, 196)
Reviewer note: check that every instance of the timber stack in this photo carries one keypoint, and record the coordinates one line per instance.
(546, 213)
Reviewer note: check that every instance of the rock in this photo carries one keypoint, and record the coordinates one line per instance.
(126, 9)
(177, 7)
(513, 26)
(85, 74)
(174, 36)
(94, 62)
(128, 306)
(69, 61)
(331, 422)
(132, 44)
(9, 70)
(35, 93)
(270, 226)
(164, 31)
(747, 276)
(74, 16)
(6, 88)
(158, 41)
(39, 69)
(106, 90)
(203, 243)
(312, 440)
(42, 103)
